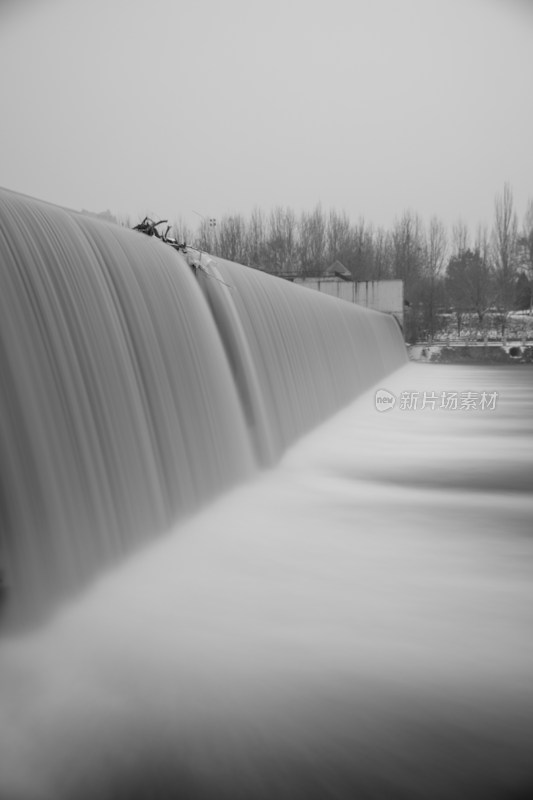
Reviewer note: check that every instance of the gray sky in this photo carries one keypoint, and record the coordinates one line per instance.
(216, 106)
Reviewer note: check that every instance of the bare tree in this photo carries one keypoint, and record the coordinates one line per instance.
(256, 234)
(460, 238)
(313, 240)
(505, 252)
(339, 245)
(436, 247)
(525, 249)
(435, 250)
(363, 238)
(527, 235)
(484, 289)
(182, 232)
(407, 241)
(232, 239)
(407, 237)
(469, 280)
(281, 244)
(383, 255)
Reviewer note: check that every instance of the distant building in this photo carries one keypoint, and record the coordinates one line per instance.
(338, 270)
(385, 296)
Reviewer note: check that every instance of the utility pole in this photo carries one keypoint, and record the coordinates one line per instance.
(211, 224)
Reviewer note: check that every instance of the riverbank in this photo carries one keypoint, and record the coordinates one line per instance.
(491, 353)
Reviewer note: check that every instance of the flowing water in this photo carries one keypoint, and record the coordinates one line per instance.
(128, 400)
(355, 620)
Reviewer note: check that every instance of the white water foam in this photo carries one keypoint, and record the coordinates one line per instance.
(357, 620)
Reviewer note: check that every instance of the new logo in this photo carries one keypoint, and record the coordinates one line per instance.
(384, 400)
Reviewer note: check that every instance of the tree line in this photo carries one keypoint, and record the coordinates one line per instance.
(469, 274)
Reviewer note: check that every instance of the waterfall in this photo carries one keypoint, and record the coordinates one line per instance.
(345, 613)
(134, 391)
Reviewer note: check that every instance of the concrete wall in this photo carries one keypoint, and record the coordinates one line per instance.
(384, 296)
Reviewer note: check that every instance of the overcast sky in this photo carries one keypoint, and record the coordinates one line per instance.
(171, 107)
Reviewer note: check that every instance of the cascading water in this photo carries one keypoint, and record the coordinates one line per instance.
(118, 411)
(297, 355)
(128, 401)
(355, 622)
